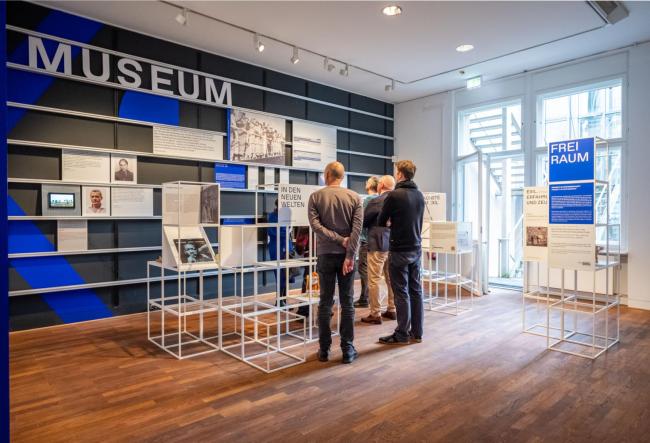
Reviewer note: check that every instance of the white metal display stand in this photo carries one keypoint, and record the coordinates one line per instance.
(453, 256)
(188, 333)
(581, 323)
(262, 333)
(440, 300)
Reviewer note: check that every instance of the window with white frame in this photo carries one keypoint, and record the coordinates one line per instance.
(490, 129)
(589, 111)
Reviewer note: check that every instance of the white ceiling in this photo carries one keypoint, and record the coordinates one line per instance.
(419, 43)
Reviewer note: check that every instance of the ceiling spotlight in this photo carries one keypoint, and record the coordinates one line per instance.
(392, 10)
(258, 43)
(390, 86)
(295, 58)
(181, 18)
(464, 48)
(344, 71)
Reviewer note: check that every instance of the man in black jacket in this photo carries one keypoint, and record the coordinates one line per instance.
(404, 209)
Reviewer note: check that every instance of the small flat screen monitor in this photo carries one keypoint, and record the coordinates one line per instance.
(61, 200)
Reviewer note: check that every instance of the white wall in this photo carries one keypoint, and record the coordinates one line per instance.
(425, 132)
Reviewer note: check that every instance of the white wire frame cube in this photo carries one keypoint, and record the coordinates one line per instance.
(439, 278)
(184, 325)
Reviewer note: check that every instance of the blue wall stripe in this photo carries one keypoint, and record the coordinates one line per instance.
(56, 23)
(149, 108)
(24, 235)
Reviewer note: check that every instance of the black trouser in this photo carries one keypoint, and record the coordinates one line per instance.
(330, 270)
(406, 282)
(362, 265)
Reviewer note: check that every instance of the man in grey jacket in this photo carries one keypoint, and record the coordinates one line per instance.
(336, 216)
(378, 239)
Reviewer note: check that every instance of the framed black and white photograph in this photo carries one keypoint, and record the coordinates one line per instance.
(210, 204)
(193, 250)
(96, 201)
(124, 168)
(257, 138)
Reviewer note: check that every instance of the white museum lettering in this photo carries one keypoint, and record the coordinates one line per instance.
(123, 66)
(85, 64)
(163, 79)
(157, 81)
(195, 85)
(63, 53)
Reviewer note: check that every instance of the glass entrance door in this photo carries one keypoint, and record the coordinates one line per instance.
(489, 189)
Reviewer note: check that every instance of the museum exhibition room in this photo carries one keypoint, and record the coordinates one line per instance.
(325, 221)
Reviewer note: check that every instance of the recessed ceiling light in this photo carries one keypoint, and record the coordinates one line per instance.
(392, 10)
(464, 48)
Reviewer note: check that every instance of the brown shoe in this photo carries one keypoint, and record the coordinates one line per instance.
(390, 315)
(372, 319)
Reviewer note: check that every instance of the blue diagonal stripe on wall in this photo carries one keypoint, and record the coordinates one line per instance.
(149, 108)
(45, 272)
(28, 89)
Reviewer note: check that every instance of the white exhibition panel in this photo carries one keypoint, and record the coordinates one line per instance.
(132, 202)
(314, 145)
(187, 142)
(72, 235)
(181, 204)
(293, 202)
(435, 210)
(83, 166)
(237, 246)
(535, 210)
(450, 237)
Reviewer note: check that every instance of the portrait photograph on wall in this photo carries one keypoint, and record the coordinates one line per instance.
(257, 138)
(96, 201)
(124, 168)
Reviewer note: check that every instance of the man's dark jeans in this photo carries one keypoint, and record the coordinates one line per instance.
(330, 270)
(406, 282)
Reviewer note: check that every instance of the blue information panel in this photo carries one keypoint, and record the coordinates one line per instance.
(571, 160)
(571, 204)
(230, 176)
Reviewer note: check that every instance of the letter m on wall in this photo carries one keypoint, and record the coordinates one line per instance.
(63, 53)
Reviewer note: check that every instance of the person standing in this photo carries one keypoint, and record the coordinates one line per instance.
(274, 249)
(404, 209)
(336, 217)
(378, 240)
(362, 262)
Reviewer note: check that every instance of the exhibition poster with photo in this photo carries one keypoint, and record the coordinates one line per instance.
(314, 145)
(187, 248)
(124, 169)
(293, 201)
(257, 138)
(536, 224)
(96, 201)
(85, 167)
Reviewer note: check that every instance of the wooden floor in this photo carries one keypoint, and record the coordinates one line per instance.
(475, 378)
